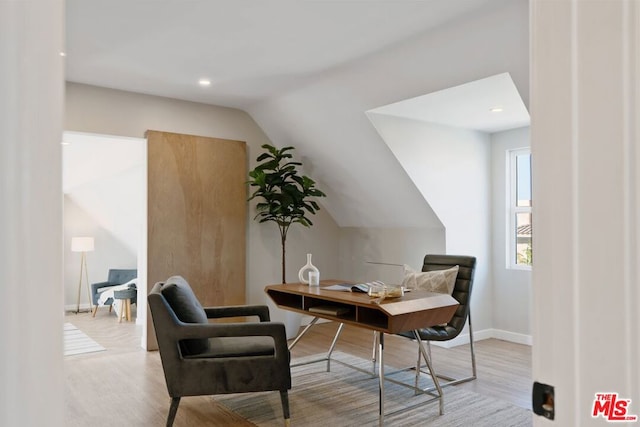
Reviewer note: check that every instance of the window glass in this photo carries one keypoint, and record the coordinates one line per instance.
(519, 234)
(523, 180)
(523, 238)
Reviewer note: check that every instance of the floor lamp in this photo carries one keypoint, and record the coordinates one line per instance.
(83, 245)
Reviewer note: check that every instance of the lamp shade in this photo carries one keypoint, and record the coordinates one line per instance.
(82, 244)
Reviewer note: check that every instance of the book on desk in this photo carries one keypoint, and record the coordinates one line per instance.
(333, 310)
(353, 287)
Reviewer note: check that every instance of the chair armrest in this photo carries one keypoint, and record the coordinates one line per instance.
(272, 329)
(95, 287)
(262, 311)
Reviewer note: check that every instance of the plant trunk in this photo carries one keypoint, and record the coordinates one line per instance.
(283, 239)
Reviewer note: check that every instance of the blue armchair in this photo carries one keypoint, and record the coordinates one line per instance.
(116, 277)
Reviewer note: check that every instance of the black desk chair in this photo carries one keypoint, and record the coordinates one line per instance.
(201, 358)
(462, 293)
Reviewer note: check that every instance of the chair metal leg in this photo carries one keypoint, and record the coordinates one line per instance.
(284, 398)
(436, 382)
(473, 353)
(381, 378)
(173, 409)
(449, 380)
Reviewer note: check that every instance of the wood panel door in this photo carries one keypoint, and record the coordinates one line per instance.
(196, 215)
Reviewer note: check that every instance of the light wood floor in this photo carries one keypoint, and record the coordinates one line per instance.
(125, 384)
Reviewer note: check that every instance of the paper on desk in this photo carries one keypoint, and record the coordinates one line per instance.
(344, 287)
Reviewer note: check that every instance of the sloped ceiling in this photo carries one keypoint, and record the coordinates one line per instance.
(307, 72)
(366, 185)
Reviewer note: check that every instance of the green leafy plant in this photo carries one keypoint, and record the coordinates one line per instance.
(285, 197)
(525, 257)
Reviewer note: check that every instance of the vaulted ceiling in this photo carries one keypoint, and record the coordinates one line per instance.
(307, 72)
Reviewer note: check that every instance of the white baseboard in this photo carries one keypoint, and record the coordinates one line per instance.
(486, 334)
(85, 308)
(463, 338)
(512, 337)
(72, 307)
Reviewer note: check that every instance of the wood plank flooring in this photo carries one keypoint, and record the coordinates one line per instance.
(125, 384)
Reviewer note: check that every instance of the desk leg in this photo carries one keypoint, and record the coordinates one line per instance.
(333, 345)
(374, 355)
(304, 331)
(436, 381)
(380, 336)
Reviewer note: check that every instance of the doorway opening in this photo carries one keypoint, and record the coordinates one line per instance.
(104, 201)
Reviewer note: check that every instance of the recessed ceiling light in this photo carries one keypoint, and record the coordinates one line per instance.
(65, 143)
(63, 54)
(204, 82)
(497, 110)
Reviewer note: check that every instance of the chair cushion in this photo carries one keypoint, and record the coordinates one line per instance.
(434, 333)
(125, 294)
(238, 347)
(187, 308)
(441, 281)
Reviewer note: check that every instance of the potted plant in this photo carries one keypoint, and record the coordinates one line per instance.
(284, 196)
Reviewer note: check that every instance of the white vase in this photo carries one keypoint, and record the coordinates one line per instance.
(309, 268)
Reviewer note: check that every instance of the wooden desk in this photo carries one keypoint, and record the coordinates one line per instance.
(414, 310)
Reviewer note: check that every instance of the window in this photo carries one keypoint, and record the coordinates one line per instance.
(519, 246)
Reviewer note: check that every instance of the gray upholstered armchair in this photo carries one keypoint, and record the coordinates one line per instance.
(117, 276)
(202, 358)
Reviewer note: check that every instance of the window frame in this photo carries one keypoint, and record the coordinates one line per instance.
(513, 209)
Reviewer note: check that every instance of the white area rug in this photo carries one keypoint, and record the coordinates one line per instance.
(345, 397)
(77, 342)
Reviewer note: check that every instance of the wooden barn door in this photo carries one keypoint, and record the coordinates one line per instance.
(196, 218)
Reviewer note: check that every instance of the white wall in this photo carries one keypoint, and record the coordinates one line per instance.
(360, 246)
(31, 366)
(111, 112)
(451, 169)
(511, 288)
(104, 198)
(585, 132)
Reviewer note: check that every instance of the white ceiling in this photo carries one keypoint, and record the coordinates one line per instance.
(250, 49)
(468, 106)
